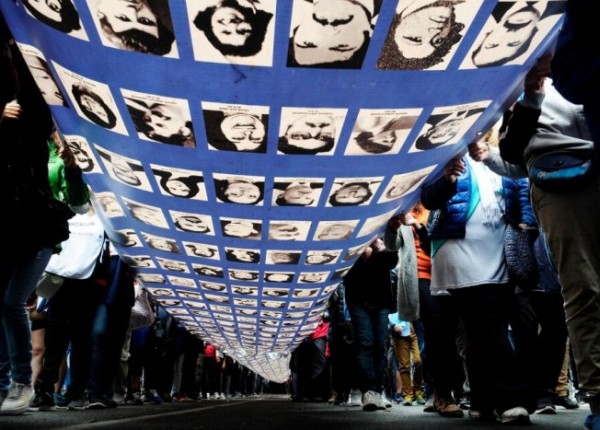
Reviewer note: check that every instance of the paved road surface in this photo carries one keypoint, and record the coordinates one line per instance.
(269, 412)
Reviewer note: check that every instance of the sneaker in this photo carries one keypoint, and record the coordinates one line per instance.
(371, 400)
(134, 398)
(100, 402)
(465, 402)
(480, 415)
(60, 401)
(339, 400)
(398, 398)
(430, 405)
(408, 400)
(419, 399)
(384, 403)
(355, 398)
(41, 401)
(151, 396)
(3, 395)
(592, 422)
(545, 407)
(179, 397)
(514, 416)
(449, 409)
(79, 402)
(566, 402)
(216, 396)
(17, 399)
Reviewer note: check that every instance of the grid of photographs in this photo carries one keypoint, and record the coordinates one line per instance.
(241, 215)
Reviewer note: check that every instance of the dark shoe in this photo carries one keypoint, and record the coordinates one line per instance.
(79, 402)
(545, 407)
(566, 402)
(134, 398)
(42, 401)
(100, 402)
(449, 409)
(62, 401)
(465, 402)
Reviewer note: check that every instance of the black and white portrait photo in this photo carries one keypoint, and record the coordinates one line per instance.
(242, 190)
(447, 125)
(381, 131)
(160, 119)
(288, 230)
(142, 26)
(81, 150)
(147, 214)
(512, 32)
(61, 15)
(92, 100)
(297, 191)
(124, 170)
(193, 222)
(332, 34)
(404, 183)
(202, 250)
(309, 131)
(232, 31)
(353, 191)
(186, 184)
(42, 75)
(424, 34)
(239, 128)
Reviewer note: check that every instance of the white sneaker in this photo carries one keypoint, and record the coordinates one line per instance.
(355, 398)
(216, 396)
(516, 415)
(385, 402)
(371, 401)
(17, 400)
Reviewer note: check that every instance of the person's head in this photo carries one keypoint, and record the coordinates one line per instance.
(179, 186)
(510, 38)
(320, 258)
(296, 194)
(145, 214)
(283, 231)
(309, 134)
(242, 255)
(421, 35)
(243, 275)
(175, 266)
(191, 223)
(284, 257)
(84, 161)
(110, 205)
(335, 35)
(351, 194)
(244, 131)
(336, 232)
(441, 133)
(209, 271)
(45, 81)
(311, 277)
(124, 172)
(239, 191)
(60, 14)
(133, 25)
(201, 250)
(376, 143)
(278, 277)
(234, 27)
(240, 228)
(163, 244)
(93, 107)
(166, 124)
(401, 187)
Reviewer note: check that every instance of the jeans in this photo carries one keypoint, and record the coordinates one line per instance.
(19, 279)
(575, 247)
(371, 333)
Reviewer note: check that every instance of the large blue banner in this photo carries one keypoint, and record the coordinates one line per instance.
(245, 152)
